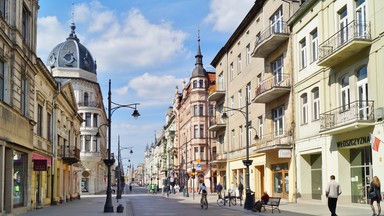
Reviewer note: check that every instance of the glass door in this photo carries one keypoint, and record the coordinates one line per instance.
(280, 180)
(360, 159)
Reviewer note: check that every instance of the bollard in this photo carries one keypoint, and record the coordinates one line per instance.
(120, 209)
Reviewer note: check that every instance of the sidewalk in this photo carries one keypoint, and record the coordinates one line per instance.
(301, 208)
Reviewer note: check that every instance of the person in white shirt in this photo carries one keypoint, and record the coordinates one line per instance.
(332, 193)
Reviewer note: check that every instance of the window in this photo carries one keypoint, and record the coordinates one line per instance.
(195, 84)
(87, 143)
(196, 153)
(25, 24)
(202, 153)
(315, 42)
(303, 54)
(345, 96)
(195, 131)
(20, 176)
(278, 121)
(248, 88)
(24, 96)
(362, 88)
(233, 139)
(304, 109)
(201, 131)
(278, 70)
(94, 145)
(214, 153)
(86, 99)
(3, 79)
(195, 110)
(232, 102)
(277, 22)
(240, 136)
(316, 103)
(361, 16)
(239, 63)
(49, 126)
(221, 81)
(343, 25)
(240, 97)
(248, 50)
(201, 109)
(39, 120)
(260, 129)
(201, 83)
(87, 119)
(231, 71)
(3, 7)
(95, 124)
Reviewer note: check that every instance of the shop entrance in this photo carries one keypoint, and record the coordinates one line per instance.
(361, 175)
(280, 180)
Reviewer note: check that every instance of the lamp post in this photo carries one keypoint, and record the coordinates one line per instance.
(120, 169)
(108, 207)
(249, 197)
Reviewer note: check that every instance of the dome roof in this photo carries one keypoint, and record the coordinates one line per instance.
(72, 54)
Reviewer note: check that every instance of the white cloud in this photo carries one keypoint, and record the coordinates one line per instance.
(50, 33)
(226, 15)
(158, 89)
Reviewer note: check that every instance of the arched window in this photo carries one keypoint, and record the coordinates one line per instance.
(195, 84)
(86, 99)
(316, 103)
(201, 83)
(304, 108)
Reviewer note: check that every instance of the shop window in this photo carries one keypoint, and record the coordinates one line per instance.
(19, 178)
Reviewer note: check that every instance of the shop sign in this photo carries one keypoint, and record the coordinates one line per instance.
(284, 153)
(40, 165)
(353, 142)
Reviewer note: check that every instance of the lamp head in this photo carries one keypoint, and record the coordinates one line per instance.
(131, 152)
(224, 116)
(136, 114)
(97, 134)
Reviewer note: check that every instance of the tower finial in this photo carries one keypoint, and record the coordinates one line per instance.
(72, 35)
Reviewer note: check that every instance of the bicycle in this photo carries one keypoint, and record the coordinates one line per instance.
(227, 199)
(204, 201)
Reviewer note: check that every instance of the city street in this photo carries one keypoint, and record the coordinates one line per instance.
(139, 203)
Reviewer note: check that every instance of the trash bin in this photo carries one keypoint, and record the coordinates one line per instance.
(249, 200)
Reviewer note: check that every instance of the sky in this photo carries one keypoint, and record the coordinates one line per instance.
(146, 48)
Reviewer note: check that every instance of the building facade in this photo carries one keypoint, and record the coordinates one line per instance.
(337, 67)
(71, 62)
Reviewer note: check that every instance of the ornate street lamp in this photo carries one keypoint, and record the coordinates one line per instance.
(108, 207)
(120, 169)
(249, 197)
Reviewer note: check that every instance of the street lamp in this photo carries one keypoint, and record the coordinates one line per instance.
(249, 198)
(108, 207)
(120, 168)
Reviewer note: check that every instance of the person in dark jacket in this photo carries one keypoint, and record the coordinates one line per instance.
(375, 187)
(241, 189)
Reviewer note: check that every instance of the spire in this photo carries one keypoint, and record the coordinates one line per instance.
(72, 35)
(198, 56)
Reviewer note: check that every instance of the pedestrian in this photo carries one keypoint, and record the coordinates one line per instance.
(177, 188)
(375, 195)
(130, 187)
(219, 188)
(332, 193)
(241, 189)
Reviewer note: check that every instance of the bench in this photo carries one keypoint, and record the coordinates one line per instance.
(273, 203)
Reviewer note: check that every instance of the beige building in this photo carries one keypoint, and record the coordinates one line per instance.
(18, 61)
(255, 65)
(195, 143)
(337, 49)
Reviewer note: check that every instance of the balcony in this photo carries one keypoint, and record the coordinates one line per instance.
(89, 104)
(70, 155)
(273, 141)
(272, 88)
(271, 39)
(216, 93)
(358, 114)
(216, 123)
(345, 44)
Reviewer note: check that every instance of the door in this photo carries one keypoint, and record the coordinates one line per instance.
(280, 180)
(361, 175)
(362, 87)
(361, 16)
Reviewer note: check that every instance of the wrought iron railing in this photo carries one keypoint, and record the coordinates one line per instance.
(276, 28)
(215, 120)
(282, 138)
(352, 112)
(354, 30)
(280, 80)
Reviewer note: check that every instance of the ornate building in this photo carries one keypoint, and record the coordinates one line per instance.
(71, 62)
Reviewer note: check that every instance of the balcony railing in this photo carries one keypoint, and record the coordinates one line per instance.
(216, 123)
(70, 155)
(276, 85)
(270, 39)
(354, 31)
(283, 139)
(355, 112)
(89, 104)
(216, 93)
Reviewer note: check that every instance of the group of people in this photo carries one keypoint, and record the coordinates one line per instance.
(333, 191)
(233, 190)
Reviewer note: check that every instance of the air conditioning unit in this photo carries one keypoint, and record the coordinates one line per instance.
(379, 114)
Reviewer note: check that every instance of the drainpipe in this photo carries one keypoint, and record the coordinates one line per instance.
(54, 141)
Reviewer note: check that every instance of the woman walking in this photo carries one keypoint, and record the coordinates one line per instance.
(375, 188)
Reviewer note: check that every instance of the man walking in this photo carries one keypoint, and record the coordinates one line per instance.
(332, 193)
(219, 188)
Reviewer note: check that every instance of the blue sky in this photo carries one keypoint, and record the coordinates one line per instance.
(146, 48)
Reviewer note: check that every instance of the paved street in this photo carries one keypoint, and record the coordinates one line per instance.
(139, 203)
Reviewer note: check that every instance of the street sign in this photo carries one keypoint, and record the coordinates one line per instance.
(198, 166)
